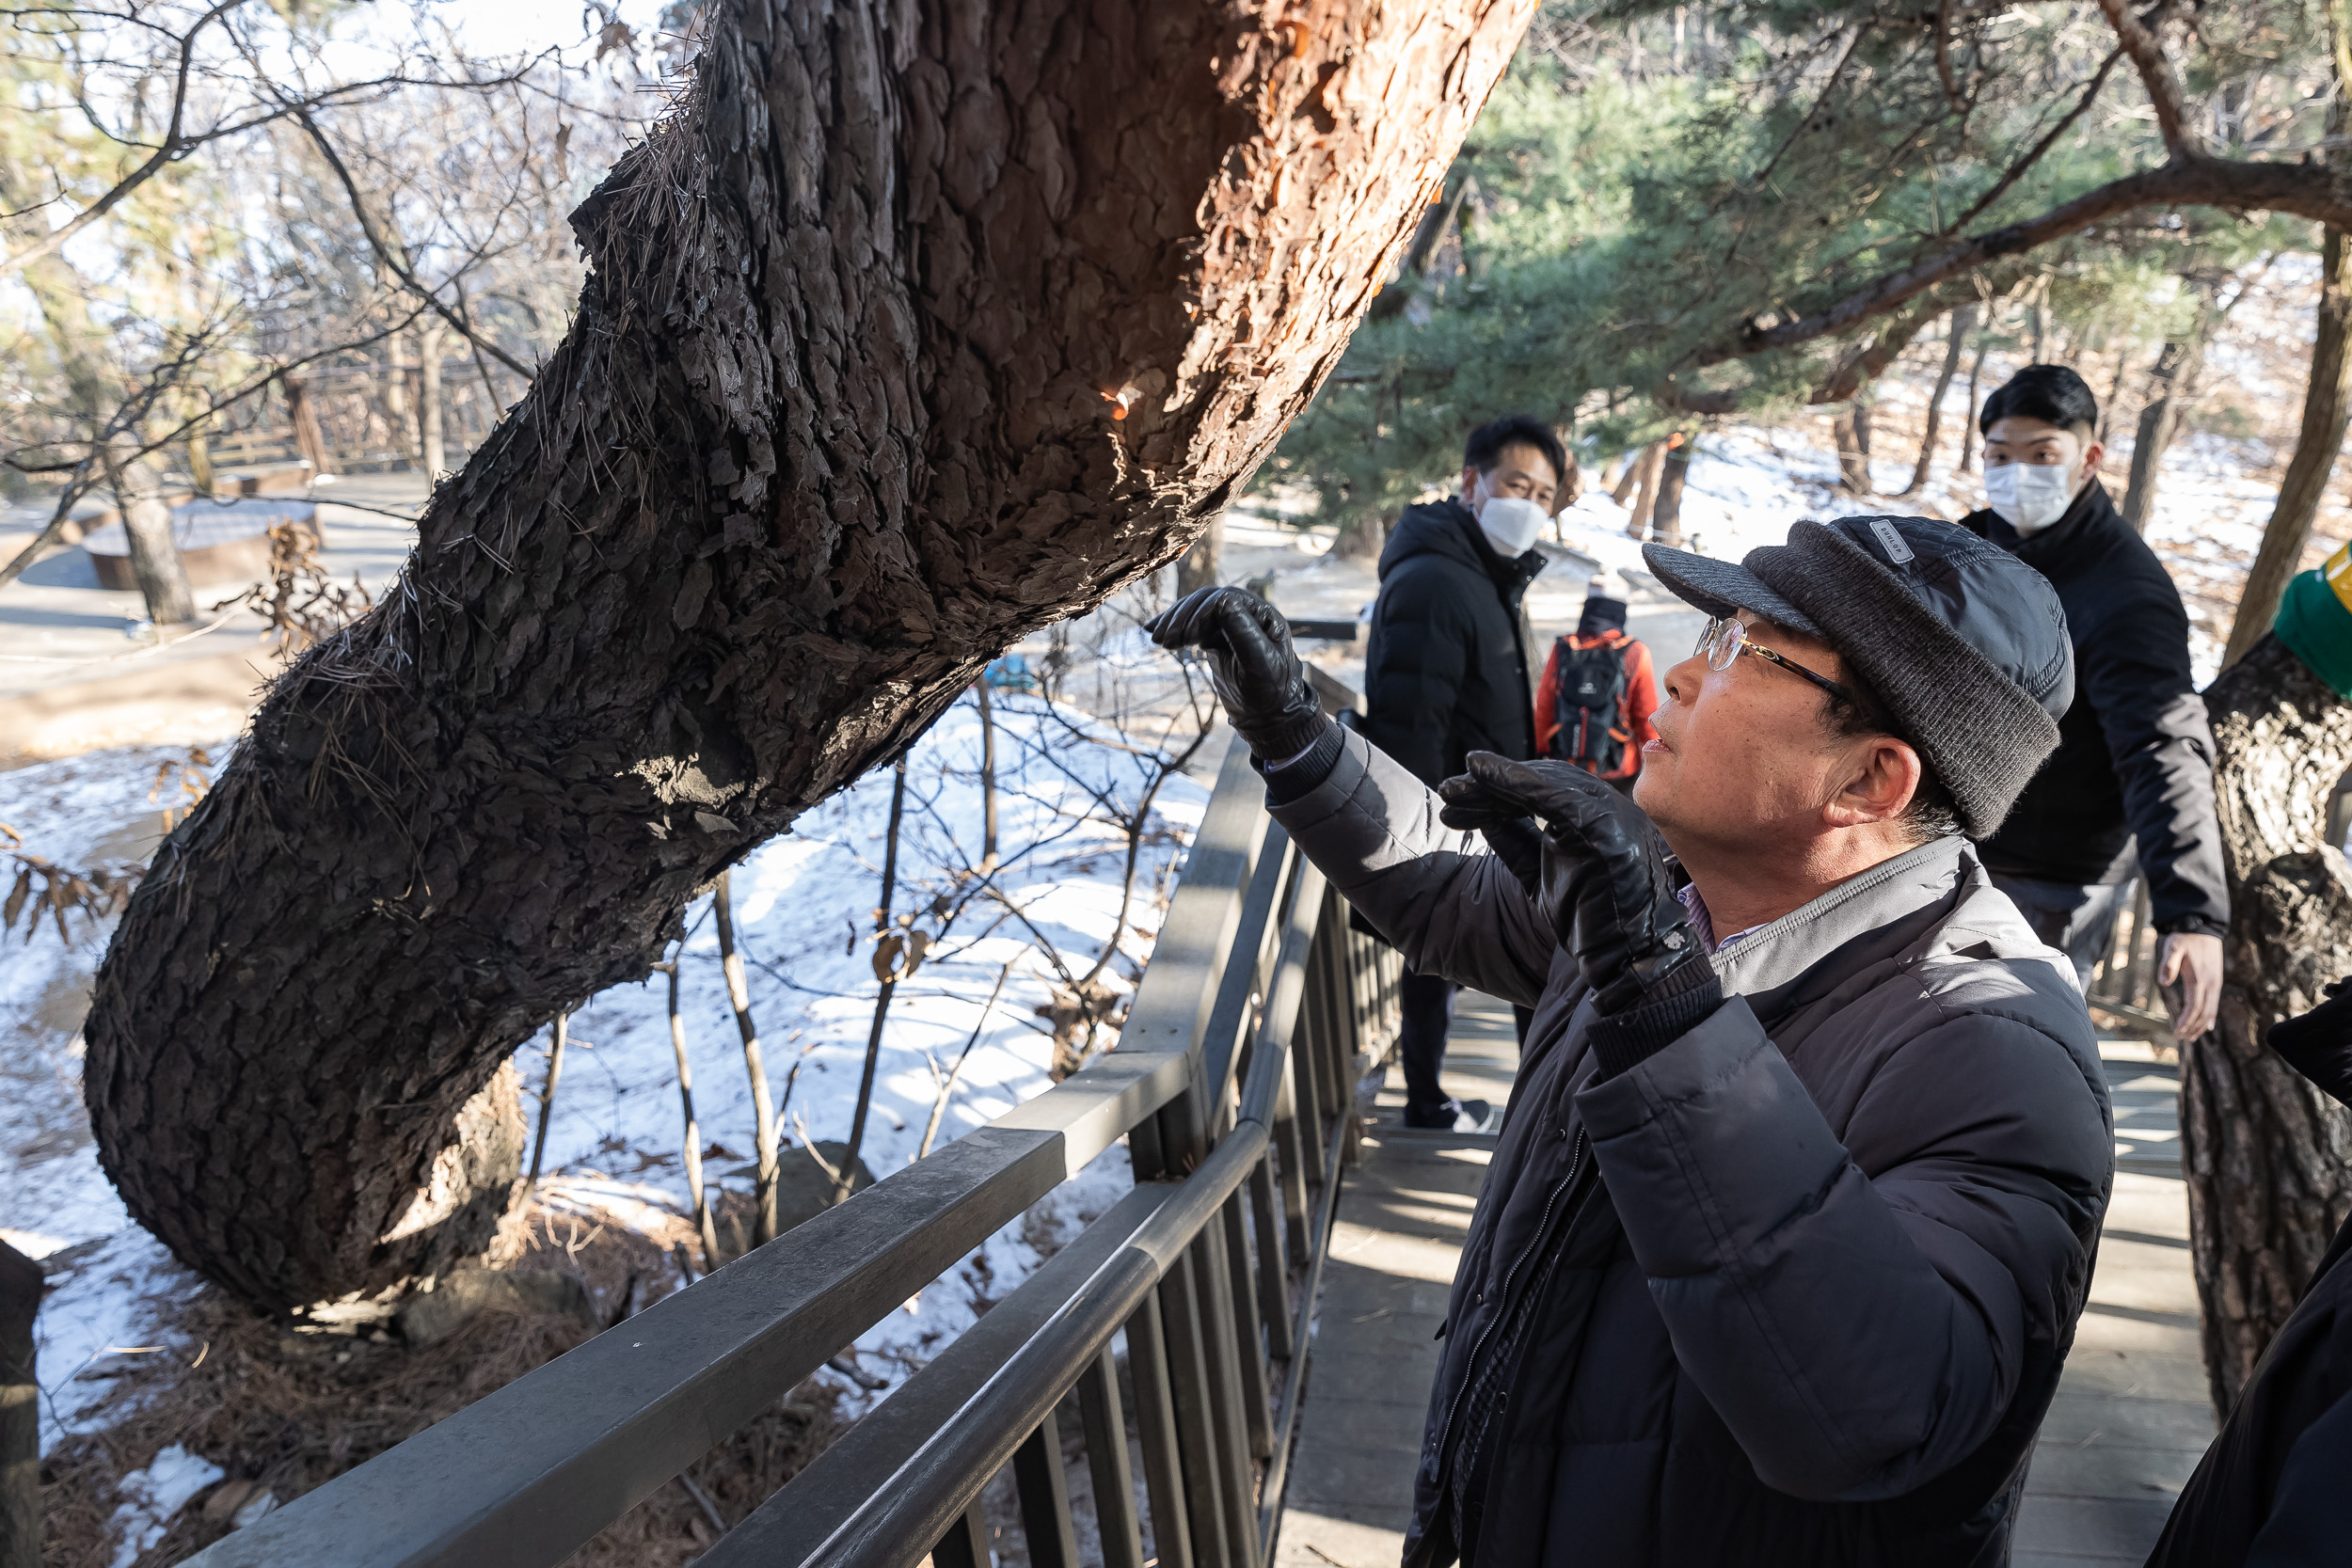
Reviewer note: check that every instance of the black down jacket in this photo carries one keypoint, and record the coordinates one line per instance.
(1793, 1293)
(2134, 754)
(1447, 673)
(2270, 1491)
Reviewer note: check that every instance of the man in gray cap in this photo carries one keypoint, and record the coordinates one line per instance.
(1793, 1210)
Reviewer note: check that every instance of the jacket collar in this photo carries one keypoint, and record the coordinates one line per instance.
(2082, 527)
(1450, 528)
(1875, 915)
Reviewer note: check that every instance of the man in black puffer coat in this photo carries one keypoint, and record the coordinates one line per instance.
(2270, 1491)
(1451, 672)
(2131, 788)
(1782, 1245)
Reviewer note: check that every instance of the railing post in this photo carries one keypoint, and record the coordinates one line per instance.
(1100, 1408)
(1155, 1424)
(965, 1544)
(1190, 1373)
(1044, 1489)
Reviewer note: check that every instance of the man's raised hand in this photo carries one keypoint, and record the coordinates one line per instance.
(1605, 885)
(1255, 672)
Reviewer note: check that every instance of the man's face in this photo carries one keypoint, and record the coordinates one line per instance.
(1744, 755)
(1522, 471)
(2019, 439)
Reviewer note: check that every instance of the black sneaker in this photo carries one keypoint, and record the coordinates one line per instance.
(1454, 1115)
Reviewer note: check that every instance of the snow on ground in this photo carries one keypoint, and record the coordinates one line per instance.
(805, 914)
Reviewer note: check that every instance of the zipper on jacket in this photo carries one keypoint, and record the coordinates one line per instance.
(1478, 1348)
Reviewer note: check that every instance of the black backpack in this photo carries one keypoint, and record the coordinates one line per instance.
(1586, 703)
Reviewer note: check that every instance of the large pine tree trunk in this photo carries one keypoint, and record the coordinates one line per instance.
(834, 423)
(2268, 1158)
(2306, 482)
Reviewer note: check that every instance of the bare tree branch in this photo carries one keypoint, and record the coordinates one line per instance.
(2195, 180)
(458, 320)
(2155, 72)
(178, 142)
(2033, 154)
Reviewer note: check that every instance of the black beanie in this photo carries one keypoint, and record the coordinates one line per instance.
(1601, 613)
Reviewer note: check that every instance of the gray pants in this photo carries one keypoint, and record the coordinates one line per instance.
(2075, 920)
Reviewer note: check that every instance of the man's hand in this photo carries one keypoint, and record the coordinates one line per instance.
(1604, 885)
(2194, 961)
(1252, 666)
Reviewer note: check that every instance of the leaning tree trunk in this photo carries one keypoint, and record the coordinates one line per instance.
(919, 327)
(2268, 1157)
(2306, 482)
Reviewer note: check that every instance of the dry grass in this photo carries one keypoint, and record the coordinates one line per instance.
(282, 1412)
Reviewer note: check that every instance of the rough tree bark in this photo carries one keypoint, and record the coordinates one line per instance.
(834, 424)
(1850, 427)
(2178, 366)
(21, 1287)
(2268, 1158)
(2306, 482)
(1644, 478)
(1673, 471)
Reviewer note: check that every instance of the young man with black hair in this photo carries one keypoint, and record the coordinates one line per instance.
(1451, 671)
(2135, 760)
(1782, 1246)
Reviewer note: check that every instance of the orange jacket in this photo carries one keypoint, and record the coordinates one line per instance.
(1634, 710)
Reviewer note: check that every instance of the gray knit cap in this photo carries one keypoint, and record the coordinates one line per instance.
(1965, 644)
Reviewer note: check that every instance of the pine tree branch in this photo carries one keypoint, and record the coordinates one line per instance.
(2155, 73)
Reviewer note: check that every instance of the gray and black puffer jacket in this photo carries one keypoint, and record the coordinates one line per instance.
(1794, 1291)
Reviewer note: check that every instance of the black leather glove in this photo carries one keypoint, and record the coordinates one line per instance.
(2318, 1044)
(1252, 666)
(1605, 888)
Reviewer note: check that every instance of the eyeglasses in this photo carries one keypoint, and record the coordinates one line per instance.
(1724, 640)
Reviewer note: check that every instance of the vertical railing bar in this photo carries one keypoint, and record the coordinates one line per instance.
(1286, 1420)
(1290, 1149)
(1155, 1424)
(1307, 1097)
(1273, 1261)
(1195, 1424)
(1044, 1490)
(1101, 1409)
(1221, 1358)
(965, 1544)
(1250, 1360)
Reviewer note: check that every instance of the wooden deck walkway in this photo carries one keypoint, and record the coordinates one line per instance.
(2128, 1425)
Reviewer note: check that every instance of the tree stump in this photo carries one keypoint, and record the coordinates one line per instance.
(2267, 1156)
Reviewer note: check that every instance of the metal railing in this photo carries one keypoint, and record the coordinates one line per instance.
(2123, 982)
(1234, 1084)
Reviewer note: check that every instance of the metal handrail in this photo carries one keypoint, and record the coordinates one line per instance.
(1233, 1084)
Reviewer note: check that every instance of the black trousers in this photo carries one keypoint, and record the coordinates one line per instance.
(1427, 1003)
(2077, 920)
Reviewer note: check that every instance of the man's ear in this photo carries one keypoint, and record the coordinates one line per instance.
(1882, 777)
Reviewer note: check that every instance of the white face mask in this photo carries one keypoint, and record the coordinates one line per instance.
(2029, 497)
(1512, 524)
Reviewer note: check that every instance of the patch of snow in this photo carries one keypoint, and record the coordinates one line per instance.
(804, 917)
(151, 1496)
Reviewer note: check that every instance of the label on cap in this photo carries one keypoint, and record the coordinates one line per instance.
(1891, 542)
